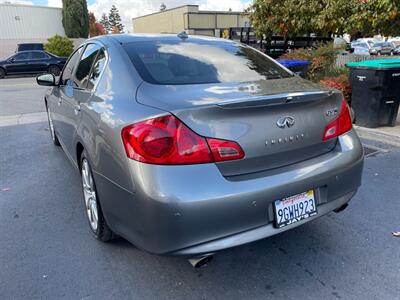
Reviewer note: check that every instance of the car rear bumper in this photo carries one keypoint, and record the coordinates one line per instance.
(261, 232)
(190, 210)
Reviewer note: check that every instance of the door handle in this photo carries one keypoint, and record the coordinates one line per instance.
(59, 102)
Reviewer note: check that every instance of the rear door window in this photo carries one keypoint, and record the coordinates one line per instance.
(201, 61)
(98, 67)
(39, 55)
(81, 77)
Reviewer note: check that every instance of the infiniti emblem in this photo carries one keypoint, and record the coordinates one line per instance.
(285, 121)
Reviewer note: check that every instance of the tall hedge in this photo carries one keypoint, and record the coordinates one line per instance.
(75, 18)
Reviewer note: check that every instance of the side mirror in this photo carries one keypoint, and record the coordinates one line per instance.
(11, 60)
(46, 79)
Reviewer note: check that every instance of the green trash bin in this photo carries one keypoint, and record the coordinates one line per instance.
(376, 92)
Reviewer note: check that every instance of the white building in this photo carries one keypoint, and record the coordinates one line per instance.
(26, 24)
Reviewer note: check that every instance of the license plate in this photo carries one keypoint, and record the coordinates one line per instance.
(295, 208)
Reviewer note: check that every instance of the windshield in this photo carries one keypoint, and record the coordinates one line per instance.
(187, 62)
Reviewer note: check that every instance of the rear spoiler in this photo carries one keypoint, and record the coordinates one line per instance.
(275, 99)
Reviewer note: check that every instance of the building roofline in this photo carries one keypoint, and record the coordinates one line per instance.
(168, 9)
(222, 12)
(29, 5)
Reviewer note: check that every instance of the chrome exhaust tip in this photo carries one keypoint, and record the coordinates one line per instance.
(201, 261)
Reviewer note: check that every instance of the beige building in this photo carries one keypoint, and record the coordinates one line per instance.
(190, 19)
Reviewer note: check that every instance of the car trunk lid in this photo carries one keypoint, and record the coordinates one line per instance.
(276, 122)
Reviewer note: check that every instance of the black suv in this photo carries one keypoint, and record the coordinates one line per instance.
(32, 62)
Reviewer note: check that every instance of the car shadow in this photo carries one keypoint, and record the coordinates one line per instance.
(309, 255)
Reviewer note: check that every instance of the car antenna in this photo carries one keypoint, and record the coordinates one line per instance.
(183, 35)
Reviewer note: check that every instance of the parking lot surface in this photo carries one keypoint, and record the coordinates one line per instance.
(47, 249)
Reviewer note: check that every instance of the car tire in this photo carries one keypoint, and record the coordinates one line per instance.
(53, 134)
(97, 222)
(55, 70)
(2, 73)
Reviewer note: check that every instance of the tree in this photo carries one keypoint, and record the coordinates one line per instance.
(95, 28)
(106, 24)
(75, 18)
(333, 16)
(376, 16)
(59, 45)
(114, 20)
(163, 7)
(282, 17)
(298, 17)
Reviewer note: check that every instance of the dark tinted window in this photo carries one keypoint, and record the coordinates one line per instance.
(22, 56)
(97, 68)
(201, 61)
(69, 68)
(82, 72)
(39, 55)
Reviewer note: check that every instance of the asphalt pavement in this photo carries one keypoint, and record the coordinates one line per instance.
(47, 250)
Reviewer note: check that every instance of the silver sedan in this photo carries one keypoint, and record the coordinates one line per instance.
(189, 145)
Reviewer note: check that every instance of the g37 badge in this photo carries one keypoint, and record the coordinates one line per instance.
(332, 112)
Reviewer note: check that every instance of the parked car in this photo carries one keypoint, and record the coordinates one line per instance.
(382, 48)
(29, 47)
(189, 145)
(396, 50)
(361, 48)
(32, 62)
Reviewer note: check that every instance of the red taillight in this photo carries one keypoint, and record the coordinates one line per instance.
(340, 125)
(167, 141)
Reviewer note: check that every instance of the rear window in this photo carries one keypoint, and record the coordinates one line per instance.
(186, 62)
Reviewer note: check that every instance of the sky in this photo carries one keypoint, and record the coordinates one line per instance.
(133, 8)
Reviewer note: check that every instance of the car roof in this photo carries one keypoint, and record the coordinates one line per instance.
(131, 38)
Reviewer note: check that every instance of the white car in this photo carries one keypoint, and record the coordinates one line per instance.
(361, 48)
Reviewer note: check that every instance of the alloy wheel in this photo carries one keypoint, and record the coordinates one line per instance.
(89, 193)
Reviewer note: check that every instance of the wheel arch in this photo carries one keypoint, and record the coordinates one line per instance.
(54, 65)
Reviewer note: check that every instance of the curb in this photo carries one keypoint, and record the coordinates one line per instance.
(378, 135)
